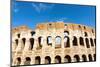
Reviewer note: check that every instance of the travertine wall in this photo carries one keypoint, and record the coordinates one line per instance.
(53, 43)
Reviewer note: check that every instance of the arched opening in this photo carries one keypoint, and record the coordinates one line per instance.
(23, 40)
(87, 43)
(47, 60)
(90, 57)
(81, 41)
(18, 35)
(31, 43)
(75, 41)
(66, 33)
(27, 61)
(58, 42)
(84, 27)
(84, 59)
(32, 33)
(18, 61)
(94, 57)
(67, 58)
(76, 58)
(85, 33)
(57, 59)
(37, 60)
(40, 41)
(66, 41)
(16, 41)
(49, 40)
(91, 41)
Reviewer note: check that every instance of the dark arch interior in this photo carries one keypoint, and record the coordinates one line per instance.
(81, 41)
(67, 59)
(16, 41)
(94, 57)
(23, 39)
(37, 60)
(39, 40)
(84, 59)
(75, 41)
(47, 60)
(32, 43)
(95, 41)
(32, 33)
(18, 61)
(77, 58)
(57, 59)
(90, 57)
(85, 33)
(18, 35)
(91, 41)
(27, 61)
(87, 43)
(66, 32)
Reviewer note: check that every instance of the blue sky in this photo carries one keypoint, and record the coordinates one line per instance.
(33, 13)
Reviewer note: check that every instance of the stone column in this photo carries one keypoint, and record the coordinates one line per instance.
(53, 42)
(44, 42)
(33, 60)
(20, 45)
(27, 45)
(22, 61)
(42, 60)
(52, 59)
(35, 43)
(14, 46)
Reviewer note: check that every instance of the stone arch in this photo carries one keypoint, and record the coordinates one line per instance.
(27, 61)
(58, 41)
(18, 35)
(81, 41)
(47, 60)
(75, 41)
(16, 41)
(66, 33)
(31, 43)
(49, 40)
(85, 34)
(84, 58)
(40, 41)
(67, 58)
(37, 60)
(87, 42)
(77, 58)
(90, 57)
(66, 41)
(18, 60)
(24, 40)
(57, 59)
(91, 41)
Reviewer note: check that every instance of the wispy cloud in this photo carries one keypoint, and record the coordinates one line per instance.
(42, 7)
(14, 7)
(61, 19)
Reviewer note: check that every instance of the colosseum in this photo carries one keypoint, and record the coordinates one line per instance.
(53, 42)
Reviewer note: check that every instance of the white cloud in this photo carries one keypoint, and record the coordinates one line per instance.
(61, 19)
(42, 7)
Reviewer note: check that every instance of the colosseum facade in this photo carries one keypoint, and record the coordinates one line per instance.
(51, 43)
